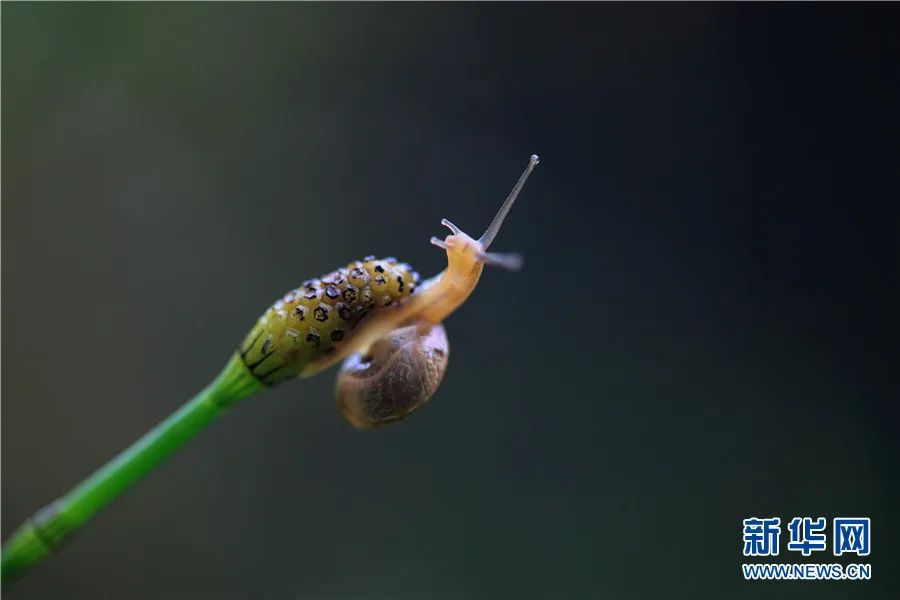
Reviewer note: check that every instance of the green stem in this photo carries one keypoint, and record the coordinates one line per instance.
(38, 536)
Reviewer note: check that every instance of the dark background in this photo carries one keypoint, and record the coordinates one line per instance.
(705, 330)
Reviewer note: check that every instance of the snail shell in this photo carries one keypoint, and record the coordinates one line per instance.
(396, 377)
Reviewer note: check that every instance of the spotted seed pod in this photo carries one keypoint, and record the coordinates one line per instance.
(319, 316)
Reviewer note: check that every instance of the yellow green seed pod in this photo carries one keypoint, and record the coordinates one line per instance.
(320, 315)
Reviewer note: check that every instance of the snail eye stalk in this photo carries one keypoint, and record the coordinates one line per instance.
(494, 228)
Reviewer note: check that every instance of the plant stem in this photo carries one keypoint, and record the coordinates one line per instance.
(39, 535)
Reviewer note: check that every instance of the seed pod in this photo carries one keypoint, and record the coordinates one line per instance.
(319, 316)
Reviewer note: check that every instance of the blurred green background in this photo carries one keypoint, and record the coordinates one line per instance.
(705, 329)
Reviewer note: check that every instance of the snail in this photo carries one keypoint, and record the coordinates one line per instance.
(381, 320)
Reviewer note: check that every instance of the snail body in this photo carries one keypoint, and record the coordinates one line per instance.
(381, 320)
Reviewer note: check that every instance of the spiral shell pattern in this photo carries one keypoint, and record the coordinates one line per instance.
(321, 314)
